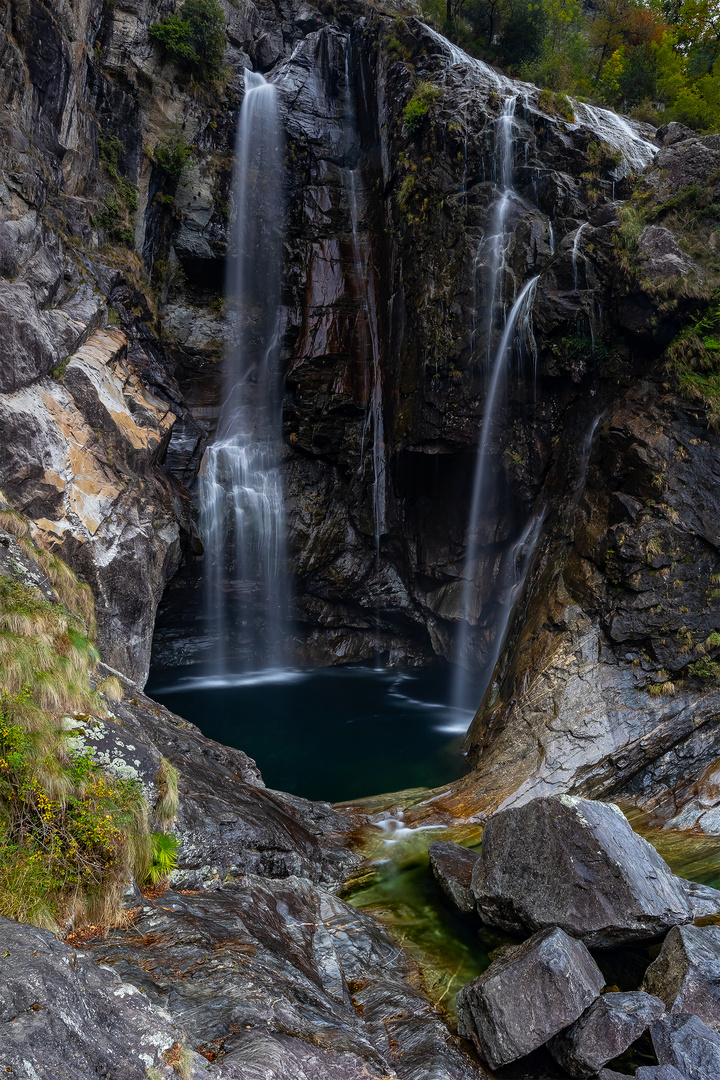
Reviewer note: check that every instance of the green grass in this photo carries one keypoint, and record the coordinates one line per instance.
(71, 834)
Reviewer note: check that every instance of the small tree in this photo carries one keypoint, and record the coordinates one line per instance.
(194, 38)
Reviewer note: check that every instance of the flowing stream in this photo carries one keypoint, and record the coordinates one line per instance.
(240, 487)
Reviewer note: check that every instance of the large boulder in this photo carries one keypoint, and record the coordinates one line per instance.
(577, 864)
(688, 1044)
(605, 1030)
(686, 974)
(527, 995)
(453, 867)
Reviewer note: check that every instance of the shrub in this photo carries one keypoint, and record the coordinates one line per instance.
(166, 807)
(164, 857)
(418, 107)
(70, 834)
(194, 38)
(172, 154)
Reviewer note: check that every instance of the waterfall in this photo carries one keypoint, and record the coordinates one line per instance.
(240, 483)
(373, 429)
(575, 252)
(518, 326)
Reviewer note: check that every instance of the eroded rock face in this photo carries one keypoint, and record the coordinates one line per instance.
(228, 823)
(281, 978)
(577, 864)
(686, 974)
(604, 1031)
(62, 1014)
(524, 998)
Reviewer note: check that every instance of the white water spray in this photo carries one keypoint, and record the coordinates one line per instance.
(240, 484)
(575, 253)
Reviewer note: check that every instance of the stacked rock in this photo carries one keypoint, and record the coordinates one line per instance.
(569, 875)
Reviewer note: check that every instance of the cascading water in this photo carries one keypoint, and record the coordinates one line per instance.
(515, 336)
(240, 484)
(517, 330)
(575, 254)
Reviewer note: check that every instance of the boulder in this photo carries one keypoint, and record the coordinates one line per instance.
(453, 867)
(577, 864)
(611, 1024)
(688, 1044)
(529, 994)
(686, 974)
(703, 899)
(610, 1074)
(669, 134)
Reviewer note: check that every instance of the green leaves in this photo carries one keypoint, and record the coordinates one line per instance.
(195, 38)
(164, 856)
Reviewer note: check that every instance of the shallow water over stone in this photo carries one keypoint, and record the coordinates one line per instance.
(330, 734)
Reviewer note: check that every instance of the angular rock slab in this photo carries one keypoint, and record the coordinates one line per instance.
(452, 866)
(688, 1044)
(686, 974)
(577, 864)
(656, 1072)
(63, 1016)
(703, 899)
(604, 1031)
(529, 994)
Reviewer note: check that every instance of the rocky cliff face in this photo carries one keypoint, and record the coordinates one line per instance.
(386, 288)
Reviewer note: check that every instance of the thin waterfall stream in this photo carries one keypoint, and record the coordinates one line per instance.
(240, 485)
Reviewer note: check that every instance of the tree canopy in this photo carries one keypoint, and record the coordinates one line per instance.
(659, 60)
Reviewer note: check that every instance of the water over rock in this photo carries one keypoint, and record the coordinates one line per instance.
(577, 864)
(530, 993)
(604, 1031)
(686, 974)
(453, 867)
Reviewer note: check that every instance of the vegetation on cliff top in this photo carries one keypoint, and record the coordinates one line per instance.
(657, 59)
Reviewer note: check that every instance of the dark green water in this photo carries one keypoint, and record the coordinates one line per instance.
(334, 734)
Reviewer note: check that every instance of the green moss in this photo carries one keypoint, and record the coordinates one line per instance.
(418, 107)
(556, 104)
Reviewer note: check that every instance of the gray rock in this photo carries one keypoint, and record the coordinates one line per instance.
(577, 864)
(653, 1072)
(310, 987)
(669, 134)
(661, 256)
(453, 867)
(689, 1045)
(529, 994)
(686, 974)
(62, 1016)
(610, 1074)
(703, 899)
(604, 1031)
